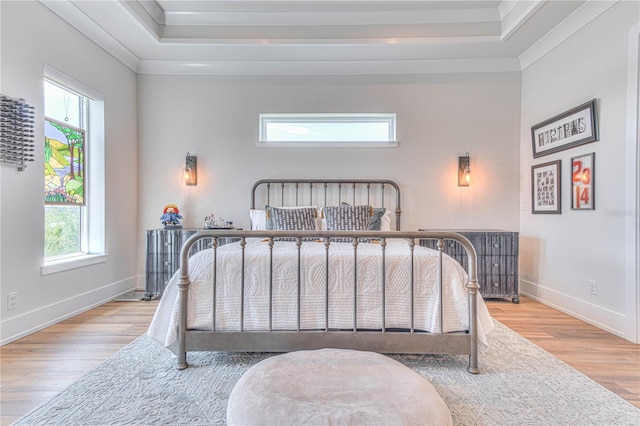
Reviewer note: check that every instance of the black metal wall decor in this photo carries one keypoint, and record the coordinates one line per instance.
(16, 132)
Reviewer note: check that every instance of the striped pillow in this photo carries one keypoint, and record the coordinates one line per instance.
(375, 217)
(347, 218)
(302, 219)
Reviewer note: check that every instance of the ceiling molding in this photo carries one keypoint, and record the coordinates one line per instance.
(321, 18)
(328, 42)
(153, 9)
(314, 68)
(311, 37)
(510, 27)
(568, 27)
(86, 26)
(146, 16)
(505, 7)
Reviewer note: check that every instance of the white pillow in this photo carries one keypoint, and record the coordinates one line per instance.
(385, 221)
(258, 219)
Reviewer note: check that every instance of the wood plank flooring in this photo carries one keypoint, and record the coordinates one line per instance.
(607, 359)
(37, 367)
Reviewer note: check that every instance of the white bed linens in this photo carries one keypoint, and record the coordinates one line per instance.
(164, 325)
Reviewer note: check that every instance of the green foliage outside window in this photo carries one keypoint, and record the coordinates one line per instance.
(62, 230)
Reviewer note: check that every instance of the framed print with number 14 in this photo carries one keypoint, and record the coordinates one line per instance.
(582, 182)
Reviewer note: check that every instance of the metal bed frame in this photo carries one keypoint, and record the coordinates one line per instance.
(384, 340)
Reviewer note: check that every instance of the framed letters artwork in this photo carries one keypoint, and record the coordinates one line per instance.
(575, 127)
(545, 188)
(582, 182)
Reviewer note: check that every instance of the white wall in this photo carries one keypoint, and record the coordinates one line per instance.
(560, 253)
(440, 117)
(32, 36)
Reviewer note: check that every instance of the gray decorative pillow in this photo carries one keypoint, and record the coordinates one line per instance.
(303, 219)
(268, 218)
(347, 218)
(375, 218)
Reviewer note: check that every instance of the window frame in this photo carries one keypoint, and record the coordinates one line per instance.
(328, 118)
(92, 226)
(83, 209)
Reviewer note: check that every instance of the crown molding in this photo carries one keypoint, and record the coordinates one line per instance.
(68, 12)
(510, 27)
(568, 27)
(310, 68)
(320, 18)
(151, 19)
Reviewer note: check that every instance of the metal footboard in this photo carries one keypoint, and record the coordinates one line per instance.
(384, 340)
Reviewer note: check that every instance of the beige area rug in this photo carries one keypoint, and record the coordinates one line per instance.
(519, 384)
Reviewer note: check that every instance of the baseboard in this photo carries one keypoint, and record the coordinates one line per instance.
(605, 319)
(29, 322)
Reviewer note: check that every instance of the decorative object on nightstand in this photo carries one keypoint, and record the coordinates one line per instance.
(497, 260)
(210, 222)
(171, 217)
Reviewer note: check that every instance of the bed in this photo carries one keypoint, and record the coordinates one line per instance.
(322, 267)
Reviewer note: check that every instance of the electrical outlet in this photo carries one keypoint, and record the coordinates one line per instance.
(593, 287)
(521, 204)
(12, 300)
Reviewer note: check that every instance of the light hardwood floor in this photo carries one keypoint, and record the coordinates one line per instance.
(607, 359)
(37, 367)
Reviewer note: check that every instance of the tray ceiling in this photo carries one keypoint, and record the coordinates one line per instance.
(304, 37)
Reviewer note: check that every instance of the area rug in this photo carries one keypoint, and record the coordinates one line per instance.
(519, 384)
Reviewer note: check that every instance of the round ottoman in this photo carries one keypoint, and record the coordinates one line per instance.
(334, 386)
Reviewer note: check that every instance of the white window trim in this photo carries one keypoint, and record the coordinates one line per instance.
(94, 232)
(72, 262)
(264, 119)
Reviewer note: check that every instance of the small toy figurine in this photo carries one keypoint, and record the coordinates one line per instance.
(171, 217)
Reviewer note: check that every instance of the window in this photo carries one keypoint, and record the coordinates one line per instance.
(64, 171)
(73, 173)
(328, 130)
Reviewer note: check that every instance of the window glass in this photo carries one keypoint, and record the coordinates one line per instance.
(327, 128)
(64, 171)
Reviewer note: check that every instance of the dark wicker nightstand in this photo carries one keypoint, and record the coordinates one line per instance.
(497, 260)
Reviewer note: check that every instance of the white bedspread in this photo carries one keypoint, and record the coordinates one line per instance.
(164, 326)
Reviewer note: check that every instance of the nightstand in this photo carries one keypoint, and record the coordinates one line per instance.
(163, 256)
(497, 252)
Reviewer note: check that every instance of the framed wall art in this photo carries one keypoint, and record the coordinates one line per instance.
(575, 127)
(545, 188)
(582, 182)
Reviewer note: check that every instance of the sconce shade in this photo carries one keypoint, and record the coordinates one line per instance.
(464, 171)
(190, 172)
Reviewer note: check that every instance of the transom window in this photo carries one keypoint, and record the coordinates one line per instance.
(328, 130)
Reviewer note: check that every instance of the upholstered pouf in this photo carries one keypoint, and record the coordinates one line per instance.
(334, 386)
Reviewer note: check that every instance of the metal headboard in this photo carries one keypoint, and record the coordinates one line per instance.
(299, 191)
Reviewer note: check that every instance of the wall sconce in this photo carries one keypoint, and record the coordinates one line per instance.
(190, 172)
(464, 171)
